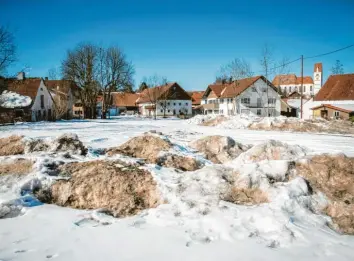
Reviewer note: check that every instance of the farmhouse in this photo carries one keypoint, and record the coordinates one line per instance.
(254, 95)
(167, 100)
(41, 107)
(334, 100)
(123, 102)
(196, 101)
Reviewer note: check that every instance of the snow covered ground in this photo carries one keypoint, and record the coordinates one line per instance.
(211, 230)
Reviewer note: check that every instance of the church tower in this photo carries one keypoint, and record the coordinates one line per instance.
(317, 77)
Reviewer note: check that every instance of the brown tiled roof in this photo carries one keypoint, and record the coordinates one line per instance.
(123, 99)
(196, 97)
(235, 88)
(319, 65)
(289, 79)
(27, 87)
(337, 87)
(332, 107)
(64, 85)
(217, 88)
(155, 93)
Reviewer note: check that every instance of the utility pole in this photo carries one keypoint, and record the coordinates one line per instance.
(302, 83)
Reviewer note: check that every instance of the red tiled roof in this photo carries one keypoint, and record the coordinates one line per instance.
(123, 99)
(28, 87)
(60, 85)
(217, 88)
(319, 65)
(235, 88)
(291, 79)
(332, 107)
(156, 93)
(196, 97)
(337, 87)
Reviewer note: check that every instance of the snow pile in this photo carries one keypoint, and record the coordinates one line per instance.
(14, 100)
(199, 119)
(238, 122)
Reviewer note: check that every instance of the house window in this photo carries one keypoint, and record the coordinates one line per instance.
(221, 111)
(186, 103)
(254, 89)
(76, 112)
(168, 104)
(336, 114)
(221, 100)
(310, 88)
(161, 111)
(210, 101)
(271, 100)
(245, 100)
(42, 101)
(289, 89)
(161, 103)
(180, 104)
(168, 111)
(259, 112)
(304, 88)
(174, 104)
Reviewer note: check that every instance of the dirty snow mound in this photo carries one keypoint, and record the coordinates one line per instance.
(218, 149)
(12, 145)
(68, 142)
(271, 150)
(18, 166)
(121, 189)
(199, 119)
(333, 176)
(179, 162)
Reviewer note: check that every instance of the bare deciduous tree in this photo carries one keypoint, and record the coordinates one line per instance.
(80, 66)
(155, 92)
(7, 49)
(114, 73)
(61, 106)
(337, 68)
(53, 74)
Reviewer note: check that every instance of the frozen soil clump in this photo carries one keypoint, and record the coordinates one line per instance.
(218, 149)
(15, 166)
(154, 149)
(179, 162)
(334, 177)
(146, 147)
(12, 145)
(69, 142)
(120, 189)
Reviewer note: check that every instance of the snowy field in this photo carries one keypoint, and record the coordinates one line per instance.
(171, 232)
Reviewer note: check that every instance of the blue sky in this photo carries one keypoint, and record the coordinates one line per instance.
(186, 41)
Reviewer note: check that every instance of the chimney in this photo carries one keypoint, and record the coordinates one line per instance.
(21, 76)
(46, 78)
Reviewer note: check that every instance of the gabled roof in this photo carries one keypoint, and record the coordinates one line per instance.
(338, 107)
(163, 92)
(27, 87)
(337, 87)
(291, 79)
(235, 88)
(63, 86)
(196, 97)
(123, 99)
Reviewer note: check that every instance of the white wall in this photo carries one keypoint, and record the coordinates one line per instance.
(308, 113)
(226, 108)
(48, 102)
(294, 87)
(171, 106)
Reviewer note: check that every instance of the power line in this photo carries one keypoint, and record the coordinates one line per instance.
(338, 50)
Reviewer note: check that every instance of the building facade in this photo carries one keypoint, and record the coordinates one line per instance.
(167, 100)
(338, 91)
(290, 83)
(253, 96)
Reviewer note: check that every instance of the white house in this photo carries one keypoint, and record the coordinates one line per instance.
(167, 100)
(42, 107)
(255, 95)
(290, 83)
(338, 91)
